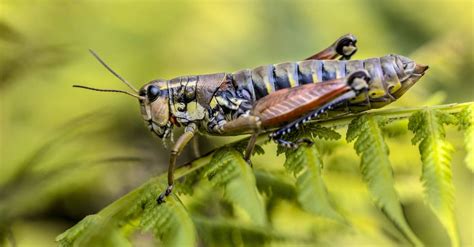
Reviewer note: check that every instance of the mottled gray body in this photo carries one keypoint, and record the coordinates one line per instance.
(214, 99)
(386, 74)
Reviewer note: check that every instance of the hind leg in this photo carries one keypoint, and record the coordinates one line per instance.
(242, 125)
(357, 82)
(277, 136)
(251, 147)
(343, 48)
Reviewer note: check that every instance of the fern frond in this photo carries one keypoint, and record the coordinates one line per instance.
(169, 222)
(391, 114)
(295, 161)
(186, 186)
(241, 145)
(93, 230)
(275, 184)
(228, 232)
(377, 171)
(320, 132)
(435, 151)
(221, 169)
(466, 123)
(68, 237)
(228, 169)
(312, 131)
(305, 163)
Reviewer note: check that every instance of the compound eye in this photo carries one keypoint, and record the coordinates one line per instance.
(152, 93)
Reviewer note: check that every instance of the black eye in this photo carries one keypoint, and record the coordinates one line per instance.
(152, 93)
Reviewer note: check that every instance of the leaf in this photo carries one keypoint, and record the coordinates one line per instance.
(229, 232)
(275, 184)
(68, 237)
(186, 187)
(169, 222)
(318, 131)
(93, 230)
(435, 151)
(312, 131)
(172, 223)
(466, 123)
(377, 171)
(241, 146)
(228, 169)
(305, 164)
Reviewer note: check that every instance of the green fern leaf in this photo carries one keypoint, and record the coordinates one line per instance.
(221, 169)
(435, 151)
(93, 230)
(103, 235)
(377, 171)
(169, 222)
(186, 187)
(312, 131)
(228, 169)
(275, 184)
(258, 150)
(241, 145)
(318, 131)
(305, 163)
(68, 237)
(229, 232)
(466, 123)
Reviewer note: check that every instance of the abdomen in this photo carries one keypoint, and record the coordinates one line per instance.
(266, 79)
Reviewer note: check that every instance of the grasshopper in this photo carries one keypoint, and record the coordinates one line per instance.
(276, 97)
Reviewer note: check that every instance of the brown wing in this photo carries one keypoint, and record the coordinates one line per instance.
(286, 105)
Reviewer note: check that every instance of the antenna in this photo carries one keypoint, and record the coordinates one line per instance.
(112, 71)
(110, 91)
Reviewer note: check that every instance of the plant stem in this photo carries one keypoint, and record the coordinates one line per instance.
(393, 114)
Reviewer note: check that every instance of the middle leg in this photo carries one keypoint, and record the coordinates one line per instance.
(251, 147)
(243, 124)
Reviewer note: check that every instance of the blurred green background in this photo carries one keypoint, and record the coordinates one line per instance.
(66, 153)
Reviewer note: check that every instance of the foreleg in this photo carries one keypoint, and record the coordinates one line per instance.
(178, 147)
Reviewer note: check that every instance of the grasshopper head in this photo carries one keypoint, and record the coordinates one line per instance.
(153, 98)
(154, 107)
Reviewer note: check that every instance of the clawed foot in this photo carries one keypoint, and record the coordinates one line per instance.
(163, 195)
(306, 141)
